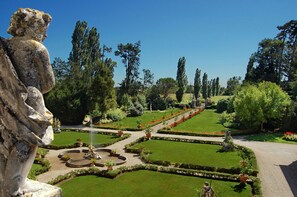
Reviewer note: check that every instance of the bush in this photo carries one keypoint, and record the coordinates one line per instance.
(115, 114)
(222, 105)
(136, 109)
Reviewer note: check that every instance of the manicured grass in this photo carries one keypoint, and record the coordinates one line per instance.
(206, 121)
(187, 98)
(190, 153)
(147, 118)
(217, 98)
(269, 137)
(70, 137)
(146, 184)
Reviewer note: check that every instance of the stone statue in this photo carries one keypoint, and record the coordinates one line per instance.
(25, 75)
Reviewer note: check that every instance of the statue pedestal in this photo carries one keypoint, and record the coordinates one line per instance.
(37, 189)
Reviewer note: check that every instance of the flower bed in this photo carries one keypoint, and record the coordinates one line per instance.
(290, 136)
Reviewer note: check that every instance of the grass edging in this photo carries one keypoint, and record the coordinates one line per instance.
(74, 145)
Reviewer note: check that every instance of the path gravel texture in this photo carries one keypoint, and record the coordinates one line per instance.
(277, 162)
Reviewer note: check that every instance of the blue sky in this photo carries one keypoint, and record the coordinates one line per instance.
(217, 37)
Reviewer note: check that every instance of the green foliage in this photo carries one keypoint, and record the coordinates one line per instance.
(181, 78)
(85, 82)
(148, 78)
(257, 105)
(204, 86)
(130, 54)
(222, 105)
(115, 114)
(197, 83)
(136, 109)
(166, 86)
(232, 85)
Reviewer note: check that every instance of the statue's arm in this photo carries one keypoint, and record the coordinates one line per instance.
(45, 71)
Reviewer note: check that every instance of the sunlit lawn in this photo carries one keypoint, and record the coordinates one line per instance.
(206, 121)
(146, 184)
(217, 98)
(70, 137)
(146, 118)
(190, 153)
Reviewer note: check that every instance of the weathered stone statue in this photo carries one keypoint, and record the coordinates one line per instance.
(25, 75)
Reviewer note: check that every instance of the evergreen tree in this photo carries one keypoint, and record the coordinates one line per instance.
(204, 86)
(209, 89)
(213, 87)
(181, 78)
(197, 83)
(217, 86)
(249, 76)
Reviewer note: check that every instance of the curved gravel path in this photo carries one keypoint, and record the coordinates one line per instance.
(277, 162)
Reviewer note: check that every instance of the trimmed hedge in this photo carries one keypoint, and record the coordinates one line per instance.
(45, 167)
(256, 189)
(55, 147)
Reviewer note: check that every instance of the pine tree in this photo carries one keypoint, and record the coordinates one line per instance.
(217, 86)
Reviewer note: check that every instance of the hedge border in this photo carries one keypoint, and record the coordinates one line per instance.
(256, 189)
(55, 147)
(45, 167)
(144, 155)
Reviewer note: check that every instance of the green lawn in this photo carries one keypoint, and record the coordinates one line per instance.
(206, 121)
(146, 184)
(269, 137)
(217, 98)
(187, 98)
(190, 153)
(147, 118)
(70, 137)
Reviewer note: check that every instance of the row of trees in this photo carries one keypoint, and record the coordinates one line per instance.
(84, 83)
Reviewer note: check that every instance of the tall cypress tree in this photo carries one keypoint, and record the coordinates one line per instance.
(181, 79)
(197, 83)
(204, 86)
(217, 86)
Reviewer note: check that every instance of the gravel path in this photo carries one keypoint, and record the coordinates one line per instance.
(277, 162)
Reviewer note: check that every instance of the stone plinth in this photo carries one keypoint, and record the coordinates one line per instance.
(38, 189)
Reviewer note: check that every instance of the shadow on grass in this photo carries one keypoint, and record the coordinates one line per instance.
(239, 188)
(264, 137)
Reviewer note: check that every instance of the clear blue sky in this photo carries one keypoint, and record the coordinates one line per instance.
(217, 37)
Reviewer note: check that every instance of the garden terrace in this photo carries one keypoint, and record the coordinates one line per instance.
(69, 139)
(138, 123)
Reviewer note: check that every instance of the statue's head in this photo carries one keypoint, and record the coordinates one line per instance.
(29, 23)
